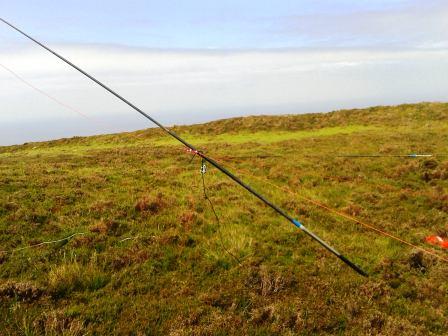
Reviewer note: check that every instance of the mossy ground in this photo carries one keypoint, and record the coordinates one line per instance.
(178, 273)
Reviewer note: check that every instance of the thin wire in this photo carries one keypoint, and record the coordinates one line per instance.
(57, 101)
(129, 238)
(411, 156)
(52, 98)
(217, 218)
(44, 243)
(344, 215)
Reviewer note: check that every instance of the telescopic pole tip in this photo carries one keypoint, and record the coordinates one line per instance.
(353, 266)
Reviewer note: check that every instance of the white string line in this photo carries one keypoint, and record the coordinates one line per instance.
(57, 101)
(44, 243)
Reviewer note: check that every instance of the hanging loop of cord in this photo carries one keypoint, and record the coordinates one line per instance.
(218, 222)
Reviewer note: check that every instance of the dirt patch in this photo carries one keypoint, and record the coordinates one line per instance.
(150, 204)
(24, 291)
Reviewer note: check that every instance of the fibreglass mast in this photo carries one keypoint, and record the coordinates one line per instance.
(202, 155)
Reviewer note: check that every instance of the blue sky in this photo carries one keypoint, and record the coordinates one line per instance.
(222, 24)
(192, 61)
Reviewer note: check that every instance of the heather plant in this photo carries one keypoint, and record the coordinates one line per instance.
(152, 259)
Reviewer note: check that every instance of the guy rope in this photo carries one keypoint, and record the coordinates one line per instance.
(204, 156)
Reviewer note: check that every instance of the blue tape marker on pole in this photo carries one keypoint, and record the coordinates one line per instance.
(297, 223)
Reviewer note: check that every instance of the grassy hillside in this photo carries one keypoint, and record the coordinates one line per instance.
(150, 257)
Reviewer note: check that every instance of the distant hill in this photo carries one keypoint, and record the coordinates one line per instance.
(147, 256)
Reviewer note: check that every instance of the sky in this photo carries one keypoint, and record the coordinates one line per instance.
(185, 62)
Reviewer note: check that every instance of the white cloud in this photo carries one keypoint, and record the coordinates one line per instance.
(189, 86)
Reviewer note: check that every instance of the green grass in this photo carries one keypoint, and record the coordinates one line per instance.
(266, 137)
(181, 273)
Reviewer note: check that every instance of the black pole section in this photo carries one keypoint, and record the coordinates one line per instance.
(204, 156)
